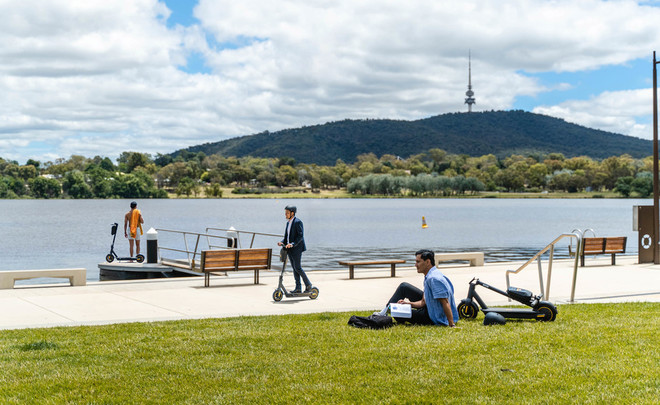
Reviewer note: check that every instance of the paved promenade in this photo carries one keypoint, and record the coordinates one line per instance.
(170, 299)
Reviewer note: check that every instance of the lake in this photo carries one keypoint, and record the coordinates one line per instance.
(39, 234)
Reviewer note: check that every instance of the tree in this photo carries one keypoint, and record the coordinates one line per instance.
(536, 175)
(624, 185)
(643, 184)
(133, 185)
(285, 175)
(32, 162)
(213, 190)
(186, 186)
(27, 172)
(100, 181)
(615, 167)
(129, 161)
(75, 186)
(560, 180)
(510, 179)
(42, 187)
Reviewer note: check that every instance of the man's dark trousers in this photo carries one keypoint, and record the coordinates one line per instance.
(295, 258)
(419, 315)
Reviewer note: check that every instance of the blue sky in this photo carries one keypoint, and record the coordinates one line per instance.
(156, 76)
(636, 74)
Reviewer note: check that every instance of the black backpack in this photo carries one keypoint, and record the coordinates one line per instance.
(371, 321)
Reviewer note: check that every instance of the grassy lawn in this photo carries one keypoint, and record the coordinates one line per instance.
(591, 354)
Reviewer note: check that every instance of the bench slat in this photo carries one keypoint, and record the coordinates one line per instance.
(370, 262)
(606, 245)
(351, 265)
(224, 260)
(615, 245)
(593, 245)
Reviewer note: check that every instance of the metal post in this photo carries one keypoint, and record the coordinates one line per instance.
(656, 194)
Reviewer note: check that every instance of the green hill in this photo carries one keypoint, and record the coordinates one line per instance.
(478, 133)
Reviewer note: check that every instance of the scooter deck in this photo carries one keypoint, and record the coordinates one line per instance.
(293, 295)
(515, 313)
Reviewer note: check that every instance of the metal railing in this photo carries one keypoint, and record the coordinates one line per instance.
(201, 241)
(191, 255)
(551, 247)
(581, 234)
(230, 232)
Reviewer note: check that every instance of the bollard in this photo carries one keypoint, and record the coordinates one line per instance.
(152, 246)
(232, 238)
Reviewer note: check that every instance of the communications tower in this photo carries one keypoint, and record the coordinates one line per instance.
(469, 100)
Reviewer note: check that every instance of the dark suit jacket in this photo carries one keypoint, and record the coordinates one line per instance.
(297, 238)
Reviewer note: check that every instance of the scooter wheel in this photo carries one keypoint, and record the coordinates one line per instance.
(139, 258)
(468, 310)
(109, 258)
(547, 312)
(314, 294)
(277, 295)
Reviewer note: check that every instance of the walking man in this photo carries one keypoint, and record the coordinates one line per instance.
(294, 243)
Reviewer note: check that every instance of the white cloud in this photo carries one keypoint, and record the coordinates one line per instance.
(617, 111)
(97, 77)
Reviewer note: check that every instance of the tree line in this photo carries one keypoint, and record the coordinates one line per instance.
(433, 173)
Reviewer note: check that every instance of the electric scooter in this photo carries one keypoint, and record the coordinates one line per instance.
(540, 310)
(110, 257)
(281, 291)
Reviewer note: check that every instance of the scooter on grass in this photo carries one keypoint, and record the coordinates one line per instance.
(540, 310)
(110, 257)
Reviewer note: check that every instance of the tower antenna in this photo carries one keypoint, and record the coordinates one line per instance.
(469, 100)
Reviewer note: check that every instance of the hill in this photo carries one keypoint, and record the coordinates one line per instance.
(478, 133)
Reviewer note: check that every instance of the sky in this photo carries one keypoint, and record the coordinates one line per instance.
(100, 77)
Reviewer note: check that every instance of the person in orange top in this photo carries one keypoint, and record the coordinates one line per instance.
(134, 220)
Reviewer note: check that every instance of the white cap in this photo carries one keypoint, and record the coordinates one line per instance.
(152, 234)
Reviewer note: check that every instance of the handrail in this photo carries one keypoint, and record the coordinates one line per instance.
(238, 233)
(187, 250)
(537, 257)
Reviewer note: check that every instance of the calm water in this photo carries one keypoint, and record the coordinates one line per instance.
(76, 233)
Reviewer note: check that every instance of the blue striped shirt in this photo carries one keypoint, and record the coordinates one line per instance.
(436, 286)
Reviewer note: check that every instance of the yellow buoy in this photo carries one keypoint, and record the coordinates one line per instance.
(424, 226)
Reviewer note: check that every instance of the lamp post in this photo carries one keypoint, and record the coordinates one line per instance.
(656, 193)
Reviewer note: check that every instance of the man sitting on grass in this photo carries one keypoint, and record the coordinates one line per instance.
(433, 306)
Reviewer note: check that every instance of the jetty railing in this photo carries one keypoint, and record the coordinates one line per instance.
(538, 257)
(232, 233)
(236, 236)
(195, 242)
(191, 254)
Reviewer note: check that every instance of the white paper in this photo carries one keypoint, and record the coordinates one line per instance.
(401, 310)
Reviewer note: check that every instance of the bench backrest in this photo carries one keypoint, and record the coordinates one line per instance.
(590, 245)
(235, 259)
(254, 259)
(614, 245)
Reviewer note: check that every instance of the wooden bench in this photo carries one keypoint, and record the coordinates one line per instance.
(599, 246)
(77, 277)
(352, 264)
(224, 260)
(475, 258)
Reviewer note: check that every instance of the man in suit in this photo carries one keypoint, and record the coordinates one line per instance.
(294, 243)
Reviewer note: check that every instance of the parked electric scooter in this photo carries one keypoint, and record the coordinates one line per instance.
(110, 257)
(540, 310)
(281, 291)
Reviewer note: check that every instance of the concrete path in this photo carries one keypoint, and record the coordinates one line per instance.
(105, 302)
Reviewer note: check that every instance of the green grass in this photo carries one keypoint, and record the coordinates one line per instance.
(590, 354)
